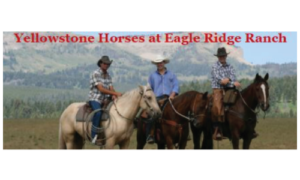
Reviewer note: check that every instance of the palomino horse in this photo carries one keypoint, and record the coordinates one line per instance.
(174, 121)
(119, 127)
(240, 120)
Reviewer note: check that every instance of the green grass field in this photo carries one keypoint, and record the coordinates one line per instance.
(43, 134)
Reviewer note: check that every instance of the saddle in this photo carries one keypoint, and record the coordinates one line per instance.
(230, 96)
(84, 111)
(162, 103)
(229, 99)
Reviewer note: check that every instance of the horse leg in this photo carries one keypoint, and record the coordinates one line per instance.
(61, 143)
(167, 133)
(182, 144)
(207, 142)
(75, 145)
(110, 143)
(249, 133)
(196, 136)
(183, 139)
(124, 144)
(246, 143)
(74, 141)
(169, 142)
(140, 136)
(141, 143)
(161, 146)
(247, 139)
(79, 141)
(235, 139)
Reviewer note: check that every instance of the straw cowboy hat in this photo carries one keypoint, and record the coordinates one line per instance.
(160, 59)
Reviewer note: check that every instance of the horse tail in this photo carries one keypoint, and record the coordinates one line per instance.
(61, 142)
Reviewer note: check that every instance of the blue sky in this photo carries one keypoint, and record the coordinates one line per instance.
(256, 53)
(261, 53)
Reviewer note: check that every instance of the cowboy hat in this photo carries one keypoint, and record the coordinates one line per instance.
(104, 59)
(221, 52)
(161, 59)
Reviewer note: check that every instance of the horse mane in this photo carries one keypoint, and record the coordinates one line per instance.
(188, 93)
(257, 79)
(185, 95)
(248, 87)
(128, 95)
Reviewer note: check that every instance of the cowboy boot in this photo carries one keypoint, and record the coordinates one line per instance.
(217, 135)
(151, 139)
(99, 138)
(189, 137)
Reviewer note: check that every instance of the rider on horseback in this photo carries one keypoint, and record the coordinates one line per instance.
(164, 84)
(223, 78)
(101, 89)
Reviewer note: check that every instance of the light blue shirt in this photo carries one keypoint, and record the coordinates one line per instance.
(163, 84)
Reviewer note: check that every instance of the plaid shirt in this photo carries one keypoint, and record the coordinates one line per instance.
(98, 77)
(220, 72)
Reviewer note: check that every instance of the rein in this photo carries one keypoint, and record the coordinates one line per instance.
(255, 112)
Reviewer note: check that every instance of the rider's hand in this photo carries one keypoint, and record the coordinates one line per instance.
(172, 96)
(225, 81)
(119, 94)
(237, 84)
(114, 97)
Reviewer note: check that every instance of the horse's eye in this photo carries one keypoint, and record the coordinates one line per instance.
(149, 98)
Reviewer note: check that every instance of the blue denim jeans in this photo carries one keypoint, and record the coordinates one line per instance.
(97, 116)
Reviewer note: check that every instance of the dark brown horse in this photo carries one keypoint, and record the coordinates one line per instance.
(241, 118)
(207, 130)
(172, 128)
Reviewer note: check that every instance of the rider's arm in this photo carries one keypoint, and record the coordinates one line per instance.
(175, 89)
(232, 75)
(107, 91)
(151, 82)
(215, 75)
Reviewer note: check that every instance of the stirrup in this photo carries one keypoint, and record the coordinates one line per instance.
(226, 108)
(217, 137)
(150, 140)
(95, 139)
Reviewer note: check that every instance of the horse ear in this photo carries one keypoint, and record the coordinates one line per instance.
(256, 77)
(148, 86)
(205, 95)
(266, 77)
(141, 88)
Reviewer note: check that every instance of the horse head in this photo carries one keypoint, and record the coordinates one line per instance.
(148, 102)
(199, 109)
(261, 89)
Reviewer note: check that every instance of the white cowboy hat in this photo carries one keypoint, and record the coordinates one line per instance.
(160, 59)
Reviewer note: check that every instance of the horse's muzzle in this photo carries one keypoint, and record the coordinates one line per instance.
(264, 106)
(197, 123)
(155, 114)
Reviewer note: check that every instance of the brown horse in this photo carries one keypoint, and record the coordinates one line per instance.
(175, 121)
(241, 118)
(206, 130)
